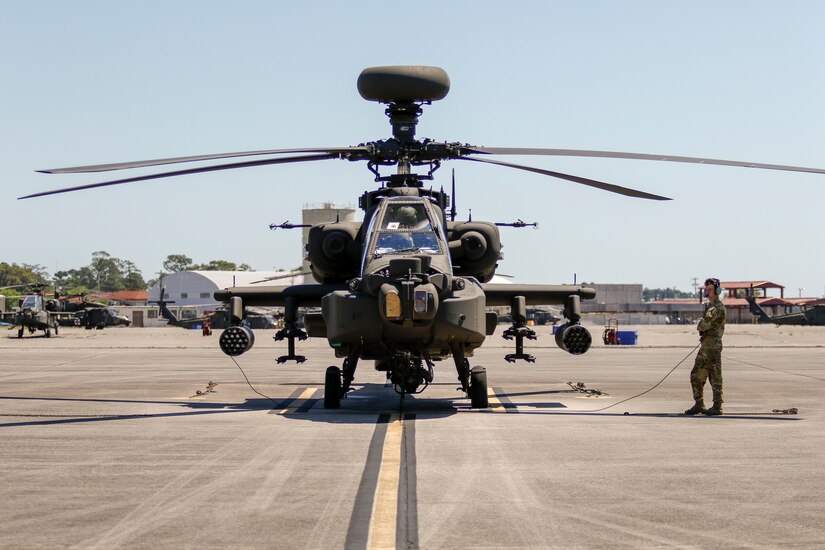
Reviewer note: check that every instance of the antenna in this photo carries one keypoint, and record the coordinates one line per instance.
(452, 206)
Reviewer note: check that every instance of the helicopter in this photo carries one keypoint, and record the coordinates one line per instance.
(98, 317)
(216, 319)
(813, 316)
(409, 286)
(37, 312)
(88, 313)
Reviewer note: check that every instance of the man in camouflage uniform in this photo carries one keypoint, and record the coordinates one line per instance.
(708, 362)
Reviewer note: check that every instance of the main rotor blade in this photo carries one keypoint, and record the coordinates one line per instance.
(283, 160)
(174, 160)
(576, 179)
(636, 156)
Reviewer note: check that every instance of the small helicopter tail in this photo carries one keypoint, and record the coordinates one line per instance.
(165, 312)
(756, 309)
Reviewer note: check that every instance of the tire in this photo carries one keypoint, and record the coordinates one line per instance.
(332, 388)
(478, 388)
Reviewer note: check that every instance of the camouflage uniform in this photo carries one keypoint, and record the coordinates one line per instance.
(708, 362)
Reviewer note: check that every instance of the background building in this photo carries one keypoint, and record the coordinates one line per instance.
(196, 288)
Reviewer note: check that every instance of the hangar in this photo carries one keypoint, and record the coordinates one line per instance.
(196, 288)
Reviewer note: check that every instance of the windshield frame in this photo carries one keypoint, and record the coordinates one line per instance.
(378, 227)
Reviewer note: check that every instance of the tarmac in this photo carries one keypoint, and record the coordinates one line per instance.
(152, 438)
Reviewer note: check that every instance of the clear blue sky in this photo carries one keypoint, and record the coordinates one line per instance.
(95, 82)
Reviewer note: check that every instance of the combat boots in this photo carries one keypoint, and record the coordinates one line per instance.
(715, 410)
(697, 408)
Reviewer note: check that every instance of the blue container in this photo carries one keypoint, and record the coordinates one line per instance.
(628, 337)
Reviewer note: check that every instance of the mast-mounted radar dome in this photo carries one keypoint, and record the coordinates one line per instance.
(402, 83)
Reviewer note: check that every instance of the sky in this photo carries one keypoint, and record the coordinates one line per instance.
(96, 82)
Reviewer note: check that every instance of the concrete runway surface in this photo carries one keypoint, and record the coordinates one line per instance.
(151, 438)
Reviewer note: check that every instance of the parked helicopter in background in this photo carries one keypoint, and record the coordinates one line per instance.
(408, 286)
(811, 316)
(100, 318)
(38, 312)
(255, 318)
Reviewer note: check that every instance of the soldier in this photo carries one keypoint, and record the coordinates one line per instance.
(708, 362)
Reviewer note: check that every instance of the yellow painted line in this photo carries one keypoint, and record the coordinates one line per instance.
(385, 504)
(495, 405)
(306, 394)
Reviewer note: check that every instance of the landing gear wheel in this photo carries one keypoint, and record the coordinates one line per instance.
(332, 388)
(20, 333)
(478, 388)
(48, 333)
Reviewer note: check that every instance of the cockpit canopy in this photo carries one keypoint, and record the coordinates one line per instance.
(32, 301)
(405, 226)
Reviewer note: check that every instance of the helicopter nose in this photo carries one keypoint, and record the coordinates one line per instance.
(408, 301)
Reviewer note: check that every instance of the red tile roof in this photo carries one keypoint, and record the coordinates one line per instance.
(127, 295)
(741, 302)
(733, 285)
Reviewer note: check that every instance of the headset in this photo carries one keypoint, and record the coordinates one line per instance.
(717, 285)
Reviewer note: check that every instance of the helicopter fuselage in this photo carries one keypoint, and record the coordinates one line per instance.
(407, 298)
(34, 315)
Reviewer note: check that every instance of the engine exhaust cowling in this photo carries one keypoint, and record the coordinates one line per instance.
(236, 340)
(574, 339)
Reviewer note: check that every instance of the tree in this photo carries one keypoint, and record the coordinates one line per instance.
(651, 294)
(133, 279)
(23, 274)
(216, 265)
(177, 262)
(105, 273)
(73, 279)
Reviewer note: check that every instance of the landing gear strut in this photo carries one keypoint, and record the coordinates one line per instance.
(473, 381)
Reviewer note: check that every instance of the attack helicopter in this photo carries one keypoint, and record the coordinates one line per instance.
(37, 312)
(409, 286)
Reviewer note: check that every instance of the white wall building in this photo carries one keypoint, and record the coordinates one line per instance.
(196, 288)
